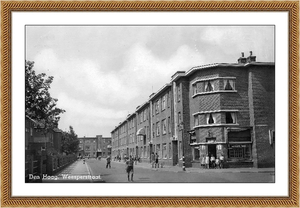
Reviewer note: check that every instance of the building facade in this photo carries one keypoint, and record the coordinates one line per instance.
(217, 109)
(94, 147)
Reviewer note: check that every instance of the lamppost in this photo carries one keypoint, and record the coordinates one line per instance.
(183, 159)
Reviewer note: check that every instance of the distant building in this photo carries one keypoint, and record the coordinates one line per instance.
(94, 146)
(217, 109)
(37, 140)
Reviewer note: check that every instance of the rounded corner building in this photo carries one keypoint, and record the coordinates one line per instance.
(223, 109)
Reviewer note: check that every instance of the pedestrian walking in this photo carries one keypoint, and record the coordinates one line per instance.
(156, 160)
(129, 168)
(108, 160)
(135, 159)
(152, 159)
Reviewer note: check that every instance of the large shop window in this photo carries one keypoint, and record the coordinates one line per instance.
(239, 151)
(239, 146)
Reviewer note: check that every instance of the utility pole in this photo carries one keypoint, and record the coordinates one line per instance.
(183, 159)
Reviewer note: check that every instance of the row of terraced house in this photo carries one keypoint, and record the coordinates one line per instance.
(217, 109)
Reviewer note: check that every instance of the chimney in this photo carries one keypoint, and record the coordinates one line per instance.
(251, 58)
(242, 60)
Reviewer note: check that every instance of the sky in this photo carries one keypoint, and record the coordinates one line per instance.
(102, 73)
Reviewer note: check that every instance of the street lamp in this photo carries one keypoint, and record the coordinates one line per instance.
(183, 159)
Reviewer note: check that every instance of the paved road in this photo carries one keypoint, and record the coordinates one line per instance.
(143, 173)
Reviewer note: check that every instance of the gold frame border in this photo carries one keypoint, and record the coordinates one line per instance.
(292, 7)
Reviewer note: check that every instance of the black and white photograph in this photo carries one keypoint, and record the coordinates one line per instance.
(150, 104)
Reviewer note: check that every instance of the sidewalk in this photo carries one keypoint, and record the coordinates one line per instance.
(77, 172)
(203, 170)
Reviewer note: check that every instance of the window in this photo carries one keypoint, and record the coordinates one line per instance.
(178, 93)
(169, 124)
(208, 86)
(164, 126)
(164, 151)
(158, 150)
(168, 100)
(210, 119)
(239, 151)
(229, 84)
(163, 104)
(157, 106)
(157, 128)
(230, 118)
(153, 108)
(170, 150)
(195, 90)
(179, 118)
(271, 137)
(153, 130)
(141, 117)
(196, 120)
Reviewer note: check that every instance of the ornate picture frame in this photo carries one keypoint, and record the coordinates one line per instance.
(7, 200)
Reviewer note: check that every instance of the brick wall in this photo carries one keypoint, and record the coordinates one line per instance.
(263, 88)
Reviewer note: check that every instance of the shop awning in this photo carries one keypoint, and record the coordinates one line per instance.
(141, 132)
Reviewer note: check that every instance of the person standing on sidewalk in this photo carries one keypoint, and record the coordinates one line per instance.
(156, 160)
(207, 162)
(221, 161)
(129, 168)
(108, 160)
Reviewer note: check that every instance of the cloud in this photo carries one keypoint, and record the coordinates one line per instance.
(87, 118)
(144, 68)
(92, 95)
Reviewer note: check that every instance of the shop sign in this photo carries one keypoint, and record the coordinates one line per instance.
(238, 145)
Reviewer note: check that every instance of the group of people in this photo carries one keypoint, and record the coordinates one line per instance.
(154, 160)
(211, 162)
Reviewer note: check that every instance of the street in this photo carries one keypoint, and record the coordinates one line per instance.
(143, 173)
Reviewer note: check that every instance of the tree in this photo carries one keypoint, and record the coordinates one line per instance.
(39, 104)
(70, 142)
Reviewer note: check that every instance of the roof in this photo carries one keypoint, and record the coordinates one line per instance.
(142, 106)
(207, 66)
(160, 91)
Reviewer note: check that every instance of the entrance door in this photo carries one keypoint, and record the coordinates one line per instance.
(212, 150)
(175, 152)
(136, 150)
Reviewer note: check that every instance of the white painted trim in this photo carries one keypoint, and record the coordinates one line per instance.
(214, 125)
(215, 111)
(211, 78)
(214, 92)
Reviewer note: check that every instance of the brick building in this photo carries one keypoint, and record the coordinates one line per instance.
(94, 146)
(217, 109)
